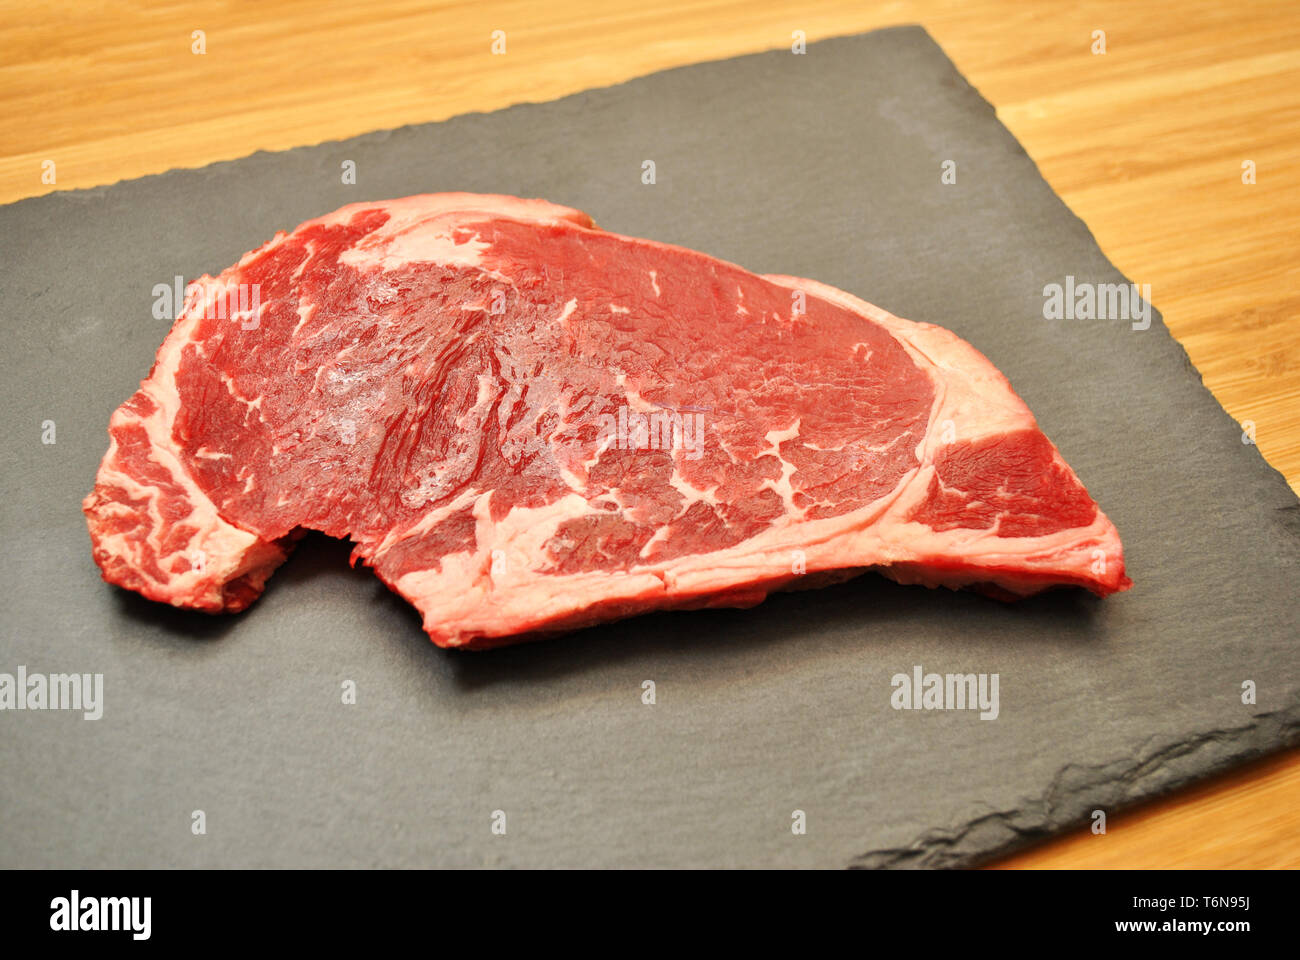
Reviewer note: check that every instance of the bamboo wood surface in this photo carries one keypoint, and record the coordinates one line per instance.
(1145, 142)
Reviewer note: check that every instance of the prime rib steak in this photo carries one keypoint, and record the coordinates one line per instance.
(526, 424)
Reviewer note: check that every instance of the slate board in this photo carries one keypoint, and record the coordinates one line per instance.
(824, 165)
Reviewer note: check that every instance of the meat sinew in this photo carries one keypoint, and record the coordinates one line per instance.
(527, 424)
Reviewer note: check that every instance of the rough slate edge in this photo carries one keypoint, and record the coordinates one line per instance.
(1115, 788)
(1164, 767)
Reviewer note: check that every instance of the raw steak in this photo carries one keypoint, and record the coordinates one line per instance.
(526, 424)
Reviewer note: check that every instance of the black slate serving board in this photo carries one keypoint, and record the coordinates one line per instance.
(826, 165)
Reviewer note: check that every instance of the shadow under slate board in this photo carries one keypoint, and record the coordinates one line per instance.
(826, 165)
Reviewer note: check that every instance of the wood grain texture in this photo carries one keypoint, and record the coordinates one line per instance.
(1145, 143)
